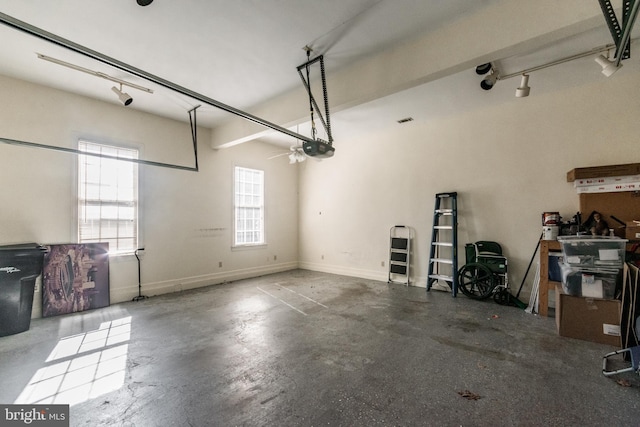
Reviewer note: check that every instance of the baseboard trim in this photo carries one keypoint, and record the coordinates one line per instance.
(344, 271)
(193, 282)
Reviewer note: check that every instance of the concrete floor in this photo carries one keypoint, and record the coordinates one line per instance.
(307, 349)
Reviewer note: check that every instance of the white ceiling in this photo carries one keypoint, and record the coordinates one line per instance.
(245, 52)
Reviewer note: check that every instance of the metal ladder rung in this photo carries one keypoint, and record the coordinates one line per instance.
(442, 244)
(441, 277)
(444, 211)
(443, 227)
(442, 260)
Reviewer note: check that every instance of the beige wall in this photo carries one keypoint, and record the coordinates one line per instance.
(186, 221)
(508, 164)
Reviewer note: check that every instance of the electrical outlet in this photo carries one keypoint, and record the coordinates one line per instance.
(382, 264)
(275, 257)
(220, 264)
(321, 256)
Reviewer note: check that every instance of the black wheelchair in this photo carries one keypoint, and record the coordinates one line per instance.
(485, 272)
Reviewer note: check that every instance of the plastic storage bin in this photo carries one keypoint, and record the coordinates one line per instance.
(593, 251)
(590, 282)
(20, 265)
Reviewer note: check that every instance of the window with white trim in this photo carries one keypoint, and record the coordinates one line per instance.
(108, 197)
(248, 207)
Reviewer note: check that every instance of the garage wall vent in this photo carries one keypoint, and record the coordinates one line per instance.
(405, 120)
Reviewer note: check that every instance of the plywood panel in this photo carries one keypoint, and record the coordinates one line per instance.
(603, 171)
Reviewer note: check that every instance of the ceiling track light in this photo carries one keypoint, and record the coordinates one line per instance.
(488, 82)
(93, 73)
(125, 98)
(524, 88)
(144, 2)
(483, 69)
(608, 67)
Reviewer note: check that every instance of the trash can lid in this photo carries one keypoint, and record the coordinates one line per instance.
(22, 246)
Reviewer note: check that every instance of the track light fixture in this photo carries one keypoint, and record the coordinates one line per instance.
(483, 69)
(125, 98)
(608, 67)
(524, 88)
(490, 80)
(144, 2)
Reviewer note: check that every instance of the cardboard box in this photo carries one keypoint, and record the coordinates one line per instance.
(632, 231)
(589, 319)
(623, 205)
(610, 188)
(590, 182)
(603, 171)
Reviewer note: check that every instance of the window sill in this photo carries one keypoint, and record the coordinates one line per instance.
(248, 247)
(124, 256)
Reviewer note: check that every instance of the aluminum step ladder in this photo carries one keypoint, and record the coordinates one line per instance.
(399, 254)
(443, 256)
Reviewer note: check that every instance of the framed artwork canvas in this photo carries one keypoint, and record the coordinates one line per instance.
(75, 277)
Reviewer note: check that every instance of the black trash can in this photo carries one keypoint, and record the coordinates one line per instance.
(20, 265)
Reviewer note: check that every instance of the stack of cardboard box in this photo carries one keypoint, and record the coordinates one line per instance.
(614, 191)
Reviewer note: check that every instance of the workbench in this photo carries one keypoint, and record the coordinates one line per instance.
(547, 287)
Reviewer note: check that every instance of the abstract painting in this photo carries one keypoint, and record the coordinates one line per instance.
(75, 277)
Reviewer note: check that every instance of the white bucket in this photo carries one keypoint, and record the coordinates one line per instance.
(550, 232)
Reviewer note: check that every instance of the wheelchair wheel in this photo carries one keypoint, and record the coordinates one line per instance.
(503, 297)
(476, 280)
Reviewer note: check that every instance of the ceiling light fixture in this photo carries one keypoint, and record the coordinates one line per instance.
(125, 98)
(490, 80)
(524, 88)
(296, 157)
(144, 2)
(483, 69)
(608, 67)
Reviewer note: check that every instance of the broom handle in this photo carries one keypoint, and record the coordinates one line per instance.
(529, 267)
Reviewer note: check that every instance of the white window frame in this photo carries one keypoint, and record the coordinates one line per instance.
(248, 207)
(115, 197)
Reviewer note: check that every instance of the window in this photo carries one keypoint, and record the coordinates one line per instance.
(249, 207)
(108, 197)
